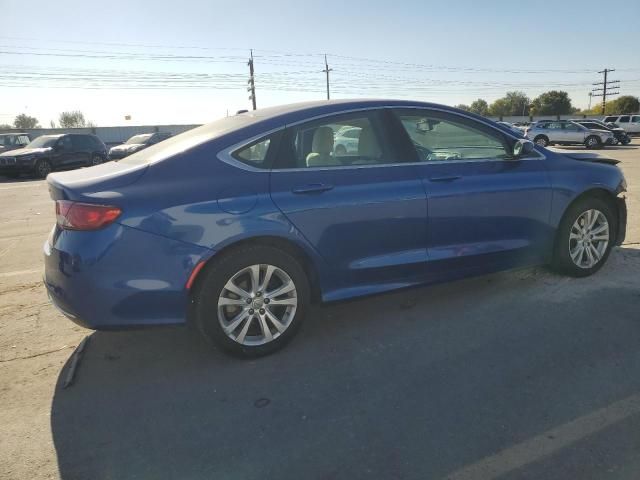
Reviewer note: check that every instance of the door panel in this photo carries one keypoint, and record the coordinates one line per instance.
(367, 221)
(486, 211)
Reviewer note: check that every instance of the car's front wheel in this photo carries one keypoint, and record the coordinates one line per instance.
(592, 142)
(96, 160)
(585, 237)
(43, 168)
(252, 301)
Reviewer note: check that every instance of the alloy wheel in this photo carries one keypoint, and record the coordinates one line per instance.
(589, 238)
(257, 304)
(542, 142)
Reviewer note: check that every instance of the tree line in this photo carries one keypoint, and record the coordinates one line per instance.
(71, 119)
(553, 102)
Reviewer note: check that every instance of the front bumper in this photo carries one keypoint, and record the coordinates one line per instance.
(119, 277)
(13, 165)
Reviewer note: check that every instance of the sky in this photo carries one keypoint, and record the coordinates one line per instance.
(186, 62)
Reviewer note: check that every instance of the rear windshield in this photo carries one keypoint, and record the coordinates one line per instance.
(43, 142)
(188, 140)
(136, 139)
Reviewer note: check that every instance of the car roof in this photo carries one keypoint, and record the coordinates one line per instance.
(305, 110)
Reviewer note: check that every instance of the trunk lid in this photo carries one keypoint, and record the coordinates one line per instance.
(94, 183)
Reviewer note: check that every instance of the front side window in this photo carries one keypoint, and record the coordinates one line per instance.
(610, 119)
(635, 119)
(571, 127)
(441, 139)
(254, 154)
(624, 119)
(345, 140)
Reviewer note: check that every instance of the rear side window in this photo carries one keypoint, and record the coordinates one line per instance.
(609, 119)
(82, 142)
(635, 118)
(254, 154)
(624, 119)
(339, 141)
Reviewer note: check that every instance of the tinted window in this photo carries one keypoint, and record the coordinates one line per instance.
(8, 140)
(325, 143)
(624, 119)
(610, 119)
(255, 154)
(439, 139)
(635, 118)
(82, 142)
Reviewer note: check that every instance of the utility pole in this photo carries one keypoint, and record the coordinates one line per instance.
(608, 88)
(327, 70)
(251, 82)
(590, 95)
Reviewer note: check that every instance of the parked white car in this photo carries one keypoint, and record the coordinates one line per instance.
(563, 132)
(630, 123)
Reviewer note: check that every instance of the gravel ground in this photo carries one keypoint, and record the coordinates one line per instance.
(517, 375)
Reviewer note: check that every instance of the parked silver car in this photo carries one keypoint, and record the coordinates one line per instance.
(563, 132)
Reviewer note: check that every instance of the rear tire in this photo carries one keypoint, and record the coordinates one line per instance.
(541, 140)
(96, 160)
(251, 325)
(42, 168)
(569, 237)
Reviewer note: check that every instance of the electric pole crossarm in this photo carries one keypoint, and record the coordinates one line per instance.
(608, 88)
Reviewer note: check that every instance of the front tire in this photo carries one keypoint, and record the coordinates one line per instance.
(592, 142)
(96, 160)
(252, 301)
(43, 168)
(585, 237)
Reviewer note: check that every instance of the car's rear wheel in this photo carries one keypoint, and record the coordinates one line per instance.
(252, 301)
(592, 142)
(341, 150)
(585, 237)
(541, 140)
(43, 168)
(96, 160)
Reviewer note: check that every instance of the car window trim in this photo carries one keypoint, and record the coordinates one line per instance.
(225, 156)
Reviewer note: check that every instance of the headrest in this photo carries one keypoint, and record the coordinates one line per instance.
(322, 140)
(368, 145)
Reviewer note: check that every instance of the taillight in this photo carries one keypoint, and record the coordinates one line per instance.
(84, 216)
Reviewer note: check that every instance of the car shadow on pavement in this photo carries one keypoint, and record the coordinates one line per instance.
(411, 384)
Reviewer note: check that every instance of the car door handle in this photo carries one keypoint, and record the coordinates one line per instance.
(445, 178)
(312, 188)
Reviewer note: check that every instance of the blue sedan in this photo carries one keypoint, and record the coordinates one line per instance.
(239, 225)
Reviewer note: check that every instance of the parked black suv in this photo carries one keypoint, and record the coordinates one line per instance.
(53, 152)
(137, 143)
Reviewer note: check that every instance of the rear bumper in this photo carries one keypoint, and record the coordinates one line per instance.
(119, 277)
(622, 220)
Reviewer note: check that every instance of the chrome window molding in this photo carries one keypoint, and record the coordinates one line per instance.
(226, 155)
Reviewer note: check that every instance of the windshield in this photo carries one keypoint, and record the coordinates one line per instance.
(43, 142)
(138, 139)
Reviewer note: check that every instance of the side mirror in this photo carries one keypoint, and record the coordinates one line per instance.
(522, 148)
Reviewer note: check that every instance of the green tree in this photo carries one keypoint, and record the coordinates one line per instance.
(5, 126)
(553, 102)
(500, 108)
(479, 107)
(24, 121)
(462, 106)
(513, 103)
(73, 119)
(624, 104)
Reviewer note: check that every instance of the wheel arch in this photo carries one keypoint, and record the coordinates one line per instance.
(597, 192)
(293, 248)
